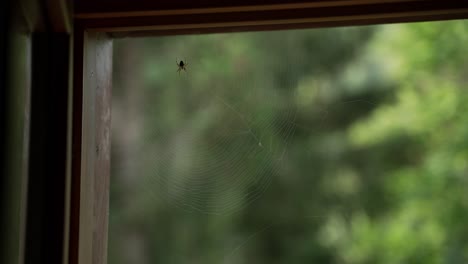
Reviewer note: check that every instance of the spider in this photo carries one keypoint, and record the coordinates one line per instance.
(182, 66)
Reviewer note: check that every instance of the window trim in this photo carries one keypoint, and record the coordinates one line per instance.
(95, 24)
(214, 17)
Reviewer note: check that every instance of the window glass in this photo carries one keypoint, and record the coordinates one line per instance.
(338, 145)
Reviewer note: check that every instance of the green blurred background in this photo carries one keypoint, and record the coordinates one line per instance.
(338, 145)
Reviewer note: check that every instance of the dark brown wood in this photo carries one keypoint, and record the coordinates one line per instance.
(218, 17)
(241, 28)
(91, 148)
(122, 6)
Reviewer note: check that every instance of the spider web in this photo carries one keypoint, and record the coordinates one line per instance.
(219, 146)
(215, 139)
(218, 172)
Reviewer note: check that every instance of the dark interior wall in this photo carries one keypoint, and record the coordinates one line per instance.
(35, 82)
(45, 221)
(15, 53)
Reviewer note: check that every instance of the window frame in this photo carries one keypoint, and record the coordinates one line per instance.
(96, 23)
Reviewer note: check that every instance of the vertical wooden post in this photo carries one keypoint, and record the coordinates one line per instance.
(91, 165)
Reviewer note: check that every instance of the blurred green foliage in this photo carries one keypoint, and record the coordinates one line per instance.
(343, 145)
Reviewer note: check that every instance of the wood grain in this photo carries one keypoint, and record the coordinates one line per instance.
(159, 18)
(91, 169)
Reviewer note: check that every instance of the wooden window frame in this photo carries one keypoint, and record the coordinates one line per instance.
(97, 22)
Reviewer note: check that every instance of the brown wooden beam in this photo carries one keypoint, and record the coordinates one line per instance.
(91, 147)
(159, 8)
(86, 7)
(266, 17)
